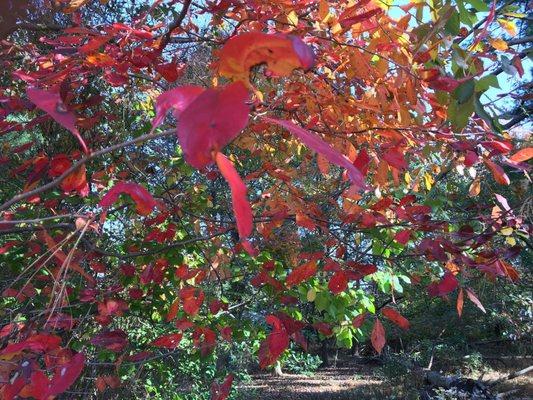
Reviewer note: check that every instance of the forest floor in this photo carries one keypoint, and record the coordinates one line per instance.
(352, 378)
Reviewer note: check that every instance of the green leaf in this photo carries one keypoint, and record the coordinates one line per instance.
(479, 5)
(484, 83)
(464, 91)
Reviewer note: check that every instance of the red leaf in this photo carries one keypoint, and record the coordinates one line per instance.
(360, 18)
(173, 310)
(170, 341)
(281, 53)
(142, 198)
(114, 341)
(395, 158)
(211, 121)
(275, 344)
(395, 317)
(192, 299)
(359, 320)
(177, 99)
(241, 207)
(37, 343)
(52, 104)
(402, 237)
(66, 375)
(76, 181)
(317, 144)
(378, 336)
(301, 273)
(448, 284)
(221, 392)
(324, 328)
(169, 71)
(338, 282)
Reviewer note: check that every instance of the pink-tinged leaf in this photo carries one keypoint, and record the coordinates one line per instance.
(211, 121)
(66, 375)
(395, 317)
(51, 103)
(241, 206)
(359, 320)
(378, 336)
(170, 341)
(317, 144)
(395, 158)
(402, 237)
(484, 30)
(144, 201)
(221, 391)
(360, 18)
(498, 173)
(447, 284)
(522, 155)
(114, 341)
(177, 100)
(473, 298)
(301, 273)
(338, 282)
(498, 146)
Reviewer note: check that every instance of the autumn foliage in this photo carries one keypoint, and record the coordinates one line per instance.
(311, 168)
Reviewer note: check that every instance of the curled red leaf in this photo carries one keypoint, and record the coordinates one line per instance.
(144, 201)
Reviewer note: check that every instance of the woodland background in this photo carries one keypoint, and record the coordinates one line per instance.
(430, 101)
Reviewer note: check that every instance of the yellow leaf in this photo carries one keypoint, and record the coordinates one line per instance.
(311, 295)
(74, 5)
(292, 18)
(429, 181)
(475, 188)
(511, 241)
(508, 26)
(507, 231)
(498, 44)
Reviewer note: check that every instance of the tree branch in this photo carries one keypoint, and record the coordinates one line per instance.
(76, 165)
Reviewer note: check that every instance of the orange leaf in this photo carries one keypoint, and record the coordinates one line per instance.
(378, 336)
(497, 172)
(395, 317)
(473, 298)
(522, 155)
(460, 302)
(281, 53)
(301, 273)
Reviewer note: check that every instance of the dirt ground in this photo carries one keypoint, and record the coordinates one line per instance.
(352, 379)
